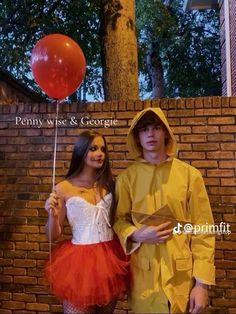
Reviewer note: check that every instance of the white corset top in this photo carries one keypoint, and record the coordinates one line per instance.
(89, 223)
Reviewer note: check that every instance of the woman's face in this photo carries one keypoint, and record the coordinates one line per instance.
(96, 154)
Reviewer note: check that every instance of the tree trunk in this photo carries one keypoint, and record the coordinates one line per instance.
(155, 71)
(119, 50)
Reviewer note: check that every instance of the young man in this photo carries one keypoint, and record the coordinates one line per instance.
(170, 272)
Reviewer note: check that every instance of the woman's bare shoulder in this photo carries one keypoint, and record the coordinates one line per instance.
(62, 188)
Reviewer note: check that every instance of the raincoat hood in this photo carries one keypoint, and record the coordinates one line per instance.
(135, 150)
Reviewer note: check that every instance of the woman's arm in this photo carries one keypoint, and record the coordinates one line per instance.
(55, 207)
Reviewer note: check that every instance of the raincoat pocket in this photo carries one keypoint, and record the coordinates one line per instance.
(183, 264)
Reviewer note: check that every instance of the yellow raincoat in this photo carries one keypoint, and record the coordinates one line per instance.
(166, 271)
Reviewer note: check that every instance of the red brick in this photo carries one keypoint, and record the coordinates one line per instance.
(181, 130)
(192, 155)
(17, 237)
(120, 131)
(226, 245)
(220, 273)
(5, 295)
(5, 262)
(15, 254)
(207, 102)
(30, 132)
(10, 132)
(225, 265)
(14, 271)
(27, 212)
(205, 129)
(184, 147)
(228, 129)
(227, 164)
(225, 284)
(35, 204)
(26, 229)
(230, 255)
(220, 173)
(229, 218)
(198, 102)
(35, 272)
(206, 147)
(221, 120)
(24, 263)
(174, 121)
(27, 246)
(219, 254)
(193, 138)
(223, 190)
(24, 297)
(37, 255)
(207, 112)
(6, 245)
(212, 181)
(37, 237)
(220, 155)
(229, 199)
(56, 308)
(220, 138)
(36, 290)
(230, 111)
(190, 102)
(224, 302)
(204, 163)
(37, 307)
(25, 280)
(42, 281)
(228, 181)
(13, 305)
(48, 299)
(228, 146)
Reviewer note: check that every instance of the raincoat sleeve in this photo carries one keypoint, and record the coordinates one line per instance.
(203, 242)
(123, 222)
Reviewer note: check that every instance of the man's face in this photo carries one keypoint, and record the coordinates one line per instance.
(152, 138)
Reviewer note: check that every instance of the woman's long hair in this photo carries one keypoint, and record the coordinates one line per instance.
(104, 178)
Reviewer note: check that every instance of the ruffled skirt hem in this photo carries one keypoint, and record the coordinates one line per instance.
(87, 275)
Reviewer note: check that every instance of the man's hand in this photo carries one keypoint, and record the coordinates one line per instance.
(152, 234)
(198, 298)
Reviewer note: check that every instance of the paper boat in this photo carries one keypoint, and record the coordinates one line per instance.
(160, 216)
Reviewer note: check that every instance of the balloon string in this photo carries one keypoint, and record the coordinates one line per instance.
(55, 150)
(53, 188)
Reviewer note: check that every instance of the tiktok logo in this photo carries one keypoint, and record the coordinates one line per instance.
(177, 229)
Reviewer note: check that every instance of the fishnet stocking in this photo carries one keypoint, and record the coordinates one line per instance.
(69, 308)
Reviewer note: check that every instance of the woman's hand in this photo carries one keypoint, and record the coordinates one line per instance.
(152, 234)
(53, 204)
(56, 214)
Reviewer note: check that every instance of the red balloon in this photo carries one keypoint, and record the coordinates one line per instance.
(58, 65)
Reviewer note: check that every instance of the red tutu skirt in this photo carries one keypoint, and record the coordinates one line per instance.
(87, 275)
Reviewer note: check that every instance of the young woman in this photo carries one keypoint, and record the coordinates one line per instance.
(89, 272)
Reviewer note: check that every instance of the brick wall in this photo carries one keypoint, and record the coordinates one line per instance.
(233, 43)
(232, 10)
(205, 129)
(223, 48)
